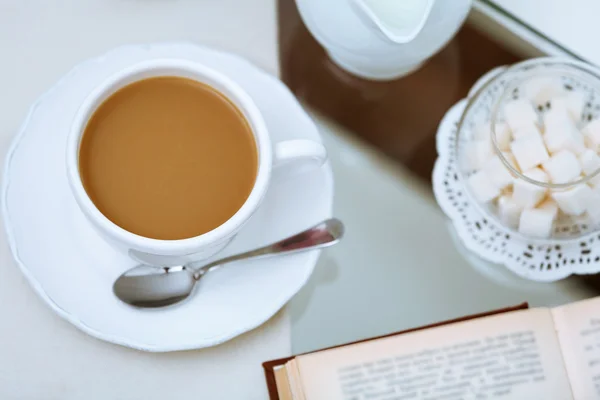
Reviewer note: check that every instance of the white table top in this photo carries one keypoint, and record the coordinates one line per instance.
(397, 268)
(42, 356)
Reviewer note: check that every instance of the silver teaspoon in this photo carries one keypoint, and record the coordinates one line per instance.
(148, 286)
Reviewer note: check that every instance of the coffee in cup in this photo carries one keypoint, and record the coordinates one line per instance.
(168, 158)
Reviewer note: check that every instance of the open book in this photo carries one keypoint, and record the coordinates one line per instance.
(538, 353)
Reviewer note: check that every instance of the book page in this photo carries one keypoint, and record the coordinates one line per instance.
(506, 356)
(578, 327)
(282, 383)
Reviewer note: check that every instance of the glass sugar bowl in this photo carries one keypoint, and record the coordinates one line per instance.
(528, 148)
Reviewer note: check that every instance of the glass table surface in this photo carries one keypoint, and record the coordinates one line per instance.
(399, 266)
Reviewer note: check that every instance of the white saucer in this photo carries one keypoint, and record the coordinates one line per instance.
(72, 269)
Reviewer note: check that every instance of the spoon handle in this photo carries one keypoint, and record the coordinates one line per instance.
(321, 235)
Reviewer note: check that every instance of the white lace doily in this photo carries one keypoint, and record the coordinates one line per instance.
(575, 252)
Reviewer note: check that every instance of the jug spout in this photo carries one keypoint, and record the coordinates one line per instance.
(399, 20)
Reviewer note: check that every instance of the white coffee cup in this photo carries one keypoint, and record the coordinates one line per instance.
(288, 155)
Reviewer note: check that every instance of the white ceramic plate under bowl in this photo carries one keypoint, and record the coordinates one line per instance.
(73, 269)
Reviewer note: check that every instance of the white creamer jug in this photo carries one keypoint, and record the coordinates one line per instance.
(382, 39)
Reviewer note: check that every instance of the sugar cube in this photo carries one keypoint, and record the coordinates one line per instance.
(557, 116)
(541, 90)
(527, 194)
(559, 106)
(573, 201)
(477, 153)
(498, 173)
(593, 207)
(550, 206)
(483, 131)
(590, 163)
(482, 187)
(536, 222)
(529, 151)
(563, 167)
(519, 112)
(503, 136)
(573, 103)
(509, 211)
(561, 133)
(525, 129)
(592, 135)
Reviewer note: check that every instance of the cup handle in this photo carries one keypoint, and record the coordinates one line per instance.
(298, 155)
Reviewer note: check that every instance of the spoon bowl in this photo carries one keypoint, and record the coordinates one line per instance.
(148, 286)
